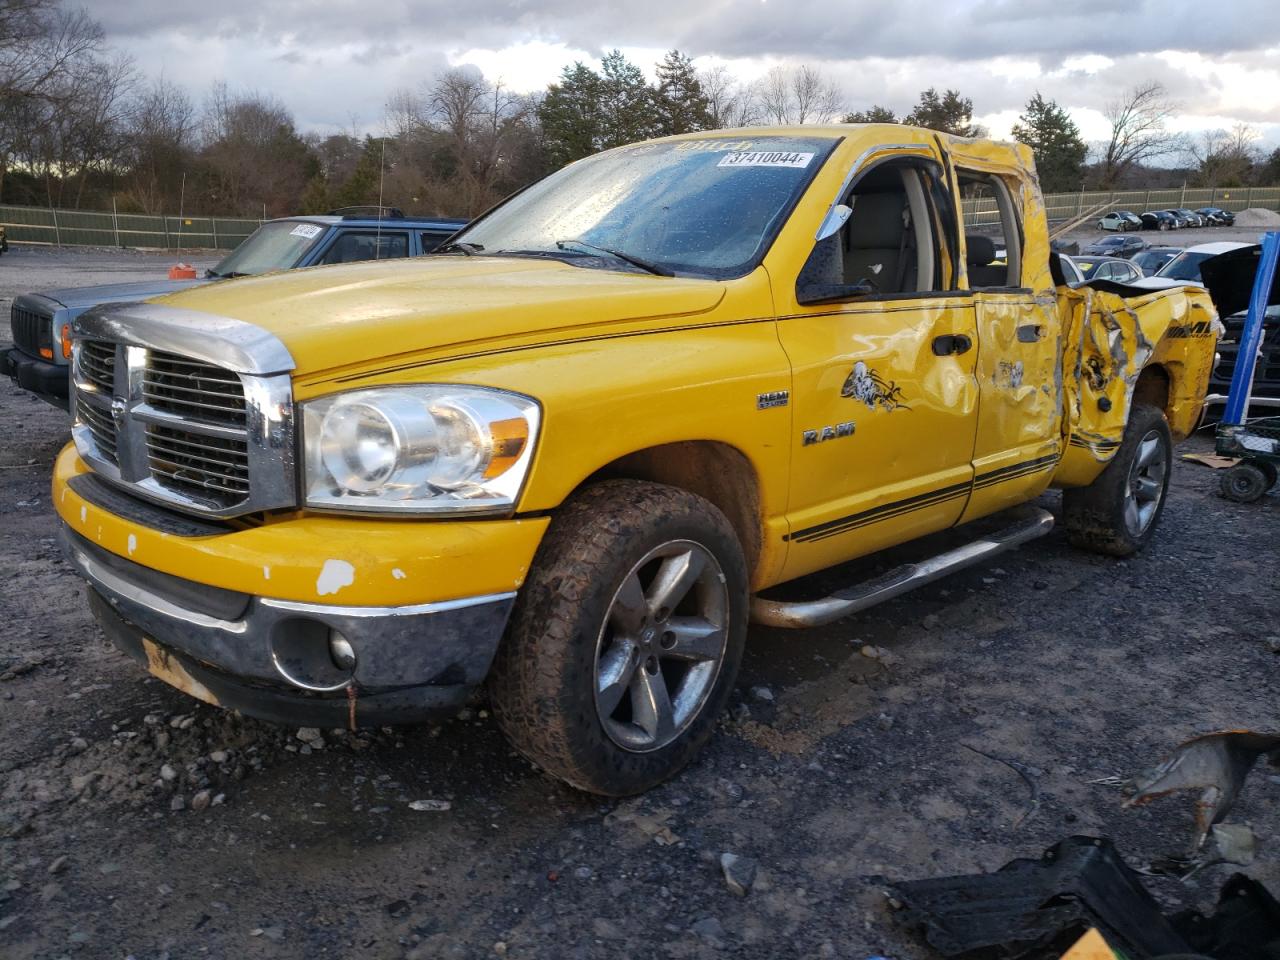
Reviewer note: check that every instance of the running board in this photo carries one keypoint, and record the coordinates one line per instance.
(860, 596)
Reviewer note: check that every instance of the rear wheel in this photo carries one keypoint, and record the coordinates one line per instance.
(1246, 482)
(1117, 513)
(626, 638)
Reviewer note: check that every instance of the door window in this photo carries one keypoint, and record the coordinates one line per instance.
(356, 245)
(430, 240)
(897, 238)
(993, 246)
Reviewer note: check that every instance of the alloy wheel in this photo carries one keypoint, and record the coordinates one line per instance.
(661, 645)
(1146, 484)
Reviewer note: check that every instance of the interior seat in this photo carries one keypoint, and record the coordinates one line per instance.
(980, 251)
(879, 248)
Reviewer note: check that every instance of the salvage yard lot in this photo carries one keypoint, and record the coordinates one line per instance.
(843, 761)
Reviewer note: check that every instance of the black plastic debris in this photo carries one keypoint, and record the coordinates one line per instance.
(1215, 764)
(1040, 907)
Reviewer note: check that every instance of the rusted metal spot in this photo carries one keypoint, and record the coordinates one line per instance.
(162, 665)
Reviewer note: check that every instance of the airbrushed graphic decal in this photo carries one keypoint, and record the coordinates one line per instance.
(868, 386)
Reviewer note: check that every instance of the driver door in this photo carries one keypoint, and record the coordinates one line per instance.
(885, 401)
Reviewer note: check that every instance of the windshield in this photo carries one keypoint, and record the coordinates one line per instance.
(1185, 266)
(707, 208)
(273, 246)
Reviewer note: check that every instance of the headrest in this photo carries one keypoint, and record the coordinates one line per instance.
(979, 250)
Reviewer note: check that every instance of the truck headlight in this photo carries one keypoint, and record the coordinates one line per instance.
(418, 449)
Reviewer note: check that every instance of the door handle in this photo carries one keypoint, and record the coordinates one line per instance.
(951, 343)
(1030, 333)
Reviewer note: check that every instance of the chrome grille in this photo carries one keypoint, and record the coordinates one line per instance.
(100, 425)
(32, 330)
(193, 388)
(209, 431)
(96, 363)
(202, 466)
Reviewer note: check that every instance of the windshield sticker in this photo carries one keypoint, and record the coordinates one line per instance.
(308, 231)
(771, 158)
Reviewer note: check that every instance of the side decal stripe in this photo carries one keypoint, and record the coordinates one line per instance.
(897, 508)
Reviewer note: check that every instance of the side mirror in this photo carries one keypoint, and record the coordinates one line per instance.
(814, 292)
(836, 218)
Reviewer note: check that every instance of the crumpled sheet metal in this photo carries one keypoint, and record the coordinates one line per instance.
(1215, 764)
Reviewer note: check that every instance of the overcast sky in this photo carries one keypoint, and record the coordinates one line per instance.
(334, 62)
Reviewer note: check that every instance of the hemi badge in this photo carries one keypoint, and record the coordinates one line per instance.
(776, 398)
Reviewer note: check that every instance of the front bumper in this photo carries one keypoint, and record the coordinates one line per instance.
(271, 658)
(48, 381)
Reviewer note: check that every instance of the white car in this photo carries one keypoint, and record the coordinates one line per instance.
(1185, 267)
(1120, 220)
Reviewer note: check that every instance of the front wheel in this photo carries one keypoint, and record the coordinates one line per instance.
(626, 638)
(1117, 513)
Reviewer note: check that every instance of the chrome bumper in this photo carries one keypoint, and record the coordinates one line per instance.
(287, 645)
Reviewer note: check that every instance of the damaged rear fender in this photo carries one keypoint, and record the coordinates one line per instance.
(1156, 346)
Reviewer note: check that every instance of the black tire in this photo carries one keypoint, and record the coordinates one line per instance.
(1270, 470)
(1245, 483)
(545, 682)
(1097, 517)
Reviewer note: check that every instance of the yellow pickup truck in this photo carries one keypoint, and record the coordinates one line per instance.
(564, 456)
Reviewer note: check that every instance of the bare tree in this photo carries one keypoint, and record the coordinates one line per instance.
(1224, 158)
(162, 131)
(45, 54)
(798, 95)
(729, 102)
(253, 152)
(1139, 134)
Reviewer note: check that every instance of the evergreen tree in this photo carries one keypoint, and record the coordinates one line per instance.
(570, 115)
(1268, 172)
(626, 102)
(361, 188)
(950, 113)
(877, 114)
(682, 104)
(1055, 140)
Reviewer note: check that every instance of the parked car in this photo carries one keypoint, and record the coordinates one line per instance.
(567, 455)
(1120, 245)
(40, 322)
(1121, 220)
(1217, 216)
(1159, 220)
(1185, 267)
(1192, 218)
(1107, 268)
(1153, 258)
(1070, 272)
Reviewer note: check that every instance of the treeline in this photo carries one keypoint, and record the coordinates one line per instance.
(81, 128)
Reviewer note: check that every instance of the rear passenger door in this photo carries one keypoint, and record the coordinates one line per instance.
(884, 400)
(1019, 379)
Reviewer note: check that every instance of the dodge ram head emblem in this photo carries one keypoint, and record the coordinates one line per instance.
(868, 386)
(118, 408)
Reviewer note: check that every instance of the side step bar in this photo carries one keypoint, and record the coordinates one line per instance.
(816, 613)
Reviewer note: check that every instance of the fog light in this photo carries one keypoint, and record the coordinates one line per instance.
(341, 652)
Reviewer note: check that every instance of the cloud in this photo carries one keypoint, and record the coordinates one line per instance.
(334, 60)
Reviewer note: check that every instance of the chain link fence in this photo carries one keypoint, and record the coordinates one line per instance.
(1064, 206)
(95, 229)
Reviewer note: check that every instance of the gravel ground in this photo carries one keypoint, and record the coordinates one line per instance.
(137, 822)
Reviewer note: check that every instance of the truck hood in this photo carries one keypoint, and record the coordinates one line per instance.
(341, 316)
(81, 298)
